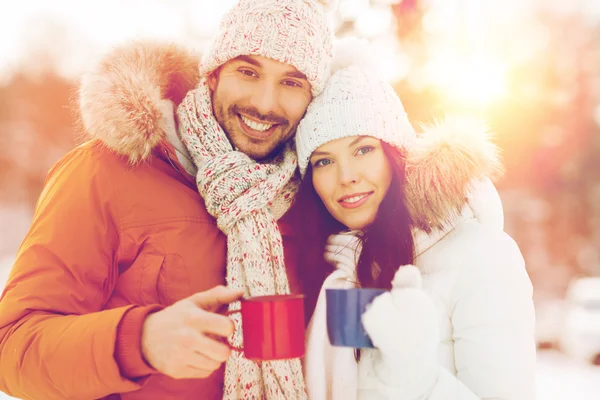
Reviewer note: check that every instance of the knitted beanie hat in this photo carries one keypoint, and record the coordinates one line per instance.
(355, 101)
(295, 32)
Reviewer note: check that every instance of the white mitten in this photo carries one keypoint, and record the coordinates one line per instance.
(343, 251)
(403, 325)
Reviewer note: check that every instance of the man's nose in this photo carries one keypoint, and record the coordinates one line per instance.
(265, 99)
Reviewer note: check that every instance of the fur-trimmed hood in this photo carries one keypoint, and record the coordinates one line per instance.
(443, 169)
(127, 102)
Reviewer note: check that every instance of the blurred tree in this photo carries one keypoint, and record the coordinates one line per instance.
(35, 131)
(548, 128)
(545, 125)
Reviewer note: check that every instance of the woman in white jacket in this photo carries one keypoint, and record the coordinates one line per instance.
(459, 324)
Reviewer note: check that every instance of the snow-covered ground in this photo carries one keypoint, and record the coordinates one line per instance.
(558, 378)
(561, 378)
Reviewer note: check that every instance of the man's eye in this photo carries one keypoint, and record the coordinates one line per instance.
(292, 83)
(247, 72)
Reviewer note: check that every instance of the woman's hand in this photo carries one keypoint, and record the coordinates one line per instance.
(403, 325)
(343, 251)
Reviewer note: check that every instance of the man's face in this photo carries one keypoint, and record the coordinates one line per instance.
(259, 103)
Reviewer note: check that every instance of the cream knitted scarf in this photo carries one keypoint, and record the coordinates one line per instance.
(246, 198)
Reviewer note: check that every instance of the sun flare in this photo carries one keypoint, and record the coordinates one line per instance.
(471, 80)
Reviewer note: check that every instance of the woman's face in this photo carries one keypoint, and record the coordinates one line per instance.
(351, 176)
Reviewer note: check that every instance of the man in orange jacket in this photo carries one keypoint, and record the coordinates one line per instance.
(118, 288)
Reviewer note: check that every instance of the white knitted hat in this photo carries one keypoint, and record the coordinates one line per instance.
(295, 32)
(355, 101)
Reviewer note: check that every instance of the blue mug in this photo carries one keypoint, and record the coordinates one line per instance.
(344, 311)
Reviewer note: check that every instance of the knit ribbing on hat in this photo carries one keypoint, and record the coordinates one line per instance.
(295, 32)
(355, 102)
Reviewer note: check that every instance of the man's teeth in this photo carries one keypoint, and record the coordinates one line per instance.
(355, 198)
(257, 126)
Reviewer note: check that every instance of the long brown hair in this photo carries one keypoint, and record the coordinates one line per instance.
(387, 242)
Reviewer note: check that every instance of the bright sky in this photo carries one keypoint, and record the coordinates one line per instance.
(98, 24)
(476, 39)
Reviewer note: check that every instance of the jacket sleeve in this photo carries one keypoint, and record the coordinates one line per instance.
(493, 323)
(56, 340)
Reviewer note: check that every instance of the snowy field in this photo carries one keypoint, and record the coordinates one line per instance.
(558, 378)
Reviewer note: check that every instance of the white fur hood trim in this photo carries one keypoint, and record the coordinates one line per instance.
(126, 100)
(443, 168)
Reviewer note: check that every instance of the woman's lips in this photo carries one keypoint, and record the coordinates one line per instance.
(354, 200)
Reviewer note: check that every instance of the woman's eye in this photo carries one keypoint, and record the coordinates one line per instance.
(364, 150)
(247, 72)
(321, 163)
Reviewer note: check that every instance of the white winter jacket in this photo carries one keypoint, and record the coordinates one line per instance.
(475, 275)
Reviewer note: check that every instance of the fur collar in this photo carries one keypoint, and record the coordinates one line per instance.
(483, 204)
(442, 168)
(127, 100)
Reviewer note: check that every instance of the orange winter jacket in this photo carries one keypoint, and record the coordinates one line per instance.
(109, 243)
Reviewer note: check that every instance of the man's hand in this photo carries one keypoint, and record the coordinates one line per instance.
(180, 342)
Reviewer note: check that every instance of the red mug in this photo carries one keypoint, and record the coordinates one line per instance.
(273, 327)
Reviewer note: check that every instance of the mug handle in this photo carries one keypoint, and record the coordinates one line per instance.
(240, 349)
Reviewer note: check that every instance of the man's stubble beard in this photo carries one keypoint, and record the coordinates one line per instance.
(229, 122)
